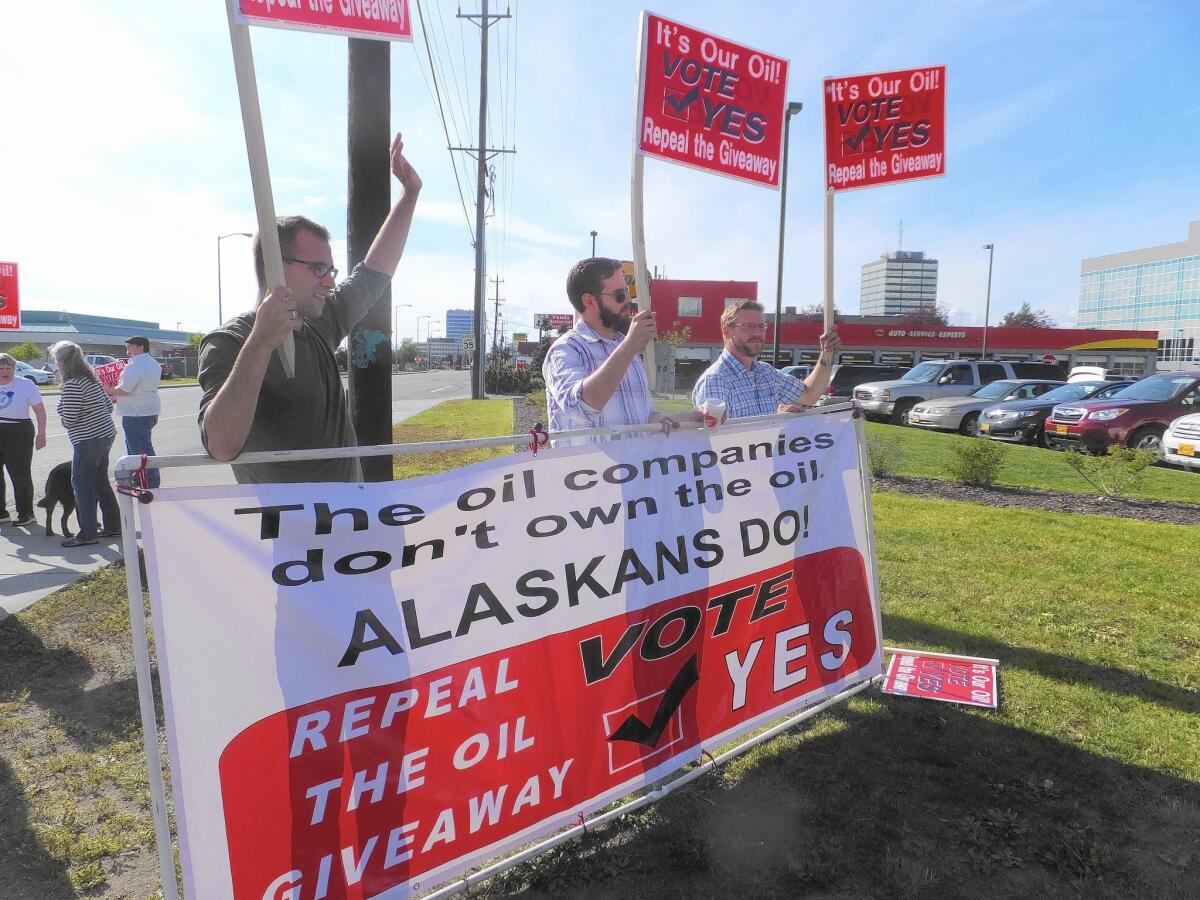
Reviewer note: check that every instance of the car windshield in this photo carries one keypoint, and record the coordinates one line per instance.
(1069, 392)
(924, 372)
(997, 390)
(1157, 387)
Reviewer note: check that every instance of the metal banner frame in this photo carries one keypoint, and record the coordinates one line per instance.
(126, 469)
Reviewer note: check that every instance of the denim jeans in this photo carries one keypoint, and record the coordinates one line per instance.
(16, 455)
(137, 440)
(90, 479)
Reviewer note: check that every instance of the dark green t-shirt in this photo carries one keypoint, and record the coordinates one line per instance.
(302, 413)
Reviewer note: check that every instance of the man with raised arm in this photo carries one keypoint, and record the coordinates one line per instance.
(750, 387)
(594, 373)
(249, 403)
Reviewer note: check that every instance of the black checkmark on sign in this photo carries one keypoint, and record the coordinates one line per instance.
(636, 731)
(680, 106)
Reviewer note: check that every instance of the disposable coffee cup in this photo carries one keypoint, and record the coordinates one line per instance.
(714, 412)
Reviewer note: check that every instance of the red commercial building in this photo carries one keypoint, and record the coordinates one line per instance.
(697, 306)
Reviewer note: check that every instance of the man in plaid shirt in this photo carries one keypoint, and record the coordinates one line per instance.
(594, 374)
(753, 388)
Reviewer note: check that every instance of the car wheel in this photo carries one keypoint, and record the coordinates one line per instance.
(30, 379)
(901, 410)
(1039, 437)
(1148, 438)
(969, 425)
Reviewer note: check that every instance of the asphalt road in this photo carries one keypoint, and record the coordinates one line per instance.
(176, 433)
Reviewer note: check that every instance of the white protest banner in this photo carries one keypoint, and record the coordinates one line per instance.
(370, 688)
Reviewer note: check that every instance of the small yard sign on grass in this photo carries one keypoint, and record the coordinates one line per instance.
(939, 676)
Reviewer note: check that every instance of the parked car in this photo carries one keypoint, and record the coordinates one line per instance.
(961, 414)
(1137, 417)
(98, 359)
(847, 376)
(1181, 442)
(37, 376)
(1023, 421)
(799, 372)
(932, 379)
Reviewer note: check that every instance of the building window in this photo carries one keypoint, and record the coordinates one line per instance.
(689, 307)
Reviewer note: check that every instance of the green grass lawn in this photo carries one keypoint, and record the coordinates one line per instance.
(451, 421)
(1085, 783)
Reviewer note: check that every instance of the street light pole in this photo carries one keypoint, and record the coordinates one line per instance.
(987, 307)
(792, 109)
(396, 325)
(593, 245)
(419, 318)
(221, 237)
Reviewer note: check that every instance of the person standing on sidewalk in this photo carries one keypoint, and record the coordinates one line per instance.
(19, 397)
(86, 413)
(136, 396)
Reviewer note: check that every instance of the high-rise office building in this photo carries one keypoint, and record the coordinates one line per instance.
(459, 322)
(898, 283)
(1155, 288)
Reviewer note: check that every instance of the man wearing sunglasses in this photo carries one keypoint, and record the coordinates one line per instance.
(594, 373)
(750, 387)
(249, 403)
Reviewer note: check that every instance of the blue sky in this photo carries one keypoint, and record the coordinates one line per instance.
(1072, 131)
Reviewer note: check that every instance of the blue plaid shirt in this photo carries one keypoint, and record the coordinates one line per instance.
(757, 392)
(572, 358)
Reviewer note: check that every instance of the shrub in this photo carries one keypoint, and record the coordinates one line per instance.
(26, 351)
(511, 380)
(1115, 473)
(977, 462)
(885, 454)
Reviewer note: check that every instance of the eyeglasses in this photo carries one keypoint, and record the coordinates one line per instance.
(750, 326)
(619, 294)
(319, 269)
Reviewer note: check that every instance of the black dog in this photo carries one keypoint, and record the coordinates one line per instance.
(59, 491)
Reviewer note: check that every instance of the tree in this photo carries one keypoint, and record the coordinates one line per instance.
(194, 340)
(1025, 317)
(814, 312)
(926, 316)
(26, 352)
(407, 352)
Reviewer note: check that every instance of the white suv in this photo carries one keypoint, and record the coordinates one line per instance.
(1181, 442)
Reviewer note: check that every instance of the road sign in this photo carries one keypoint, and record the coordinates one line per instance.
(885, 127)
(468, 342)
(707, 102)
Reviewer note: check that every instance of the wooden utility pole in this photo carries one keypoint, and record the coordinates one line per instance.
(482, 154)
(368, 151)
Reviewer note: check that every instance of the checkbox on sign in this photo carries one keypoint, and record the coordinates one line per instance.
(625, 754)
(680, 105)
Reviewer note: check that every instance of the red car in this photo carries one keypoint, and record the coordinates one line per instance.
(1135, 417)
(168, 371)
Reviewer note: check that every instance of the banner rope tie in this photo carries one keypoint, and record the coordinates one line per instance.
(138, 484)
(715, 765)
(540, 438)
(583, 824)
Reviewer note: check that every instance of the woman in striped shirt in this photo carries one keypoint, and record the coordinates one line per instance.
(86, 413)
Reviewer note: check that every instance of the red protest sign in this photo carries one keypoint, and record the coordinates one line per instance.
(385, 20)
(109, 374)
(10, 297)
(707, 102)
(885, 127)
(946, 678)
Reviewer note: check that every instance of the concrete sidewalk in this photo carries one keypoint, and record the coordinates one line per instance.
(33, 565)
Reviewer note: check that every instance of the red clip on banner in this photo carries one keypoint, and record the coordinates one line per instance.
(385, 20)
(10, 300)
(886, 127)
(707, 102)
(949, 679)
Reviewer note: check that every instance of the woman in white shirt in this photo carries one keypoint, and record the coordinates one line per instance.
(18, 398)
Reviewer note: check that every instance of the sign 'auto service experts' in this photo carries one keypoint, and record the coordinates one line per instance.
(886, 127)
(707, 102)
(10, 301)
(385, 20)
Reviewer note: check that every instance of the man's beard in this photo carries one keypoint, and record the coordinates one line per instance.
(747, 349)
(617, 321)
